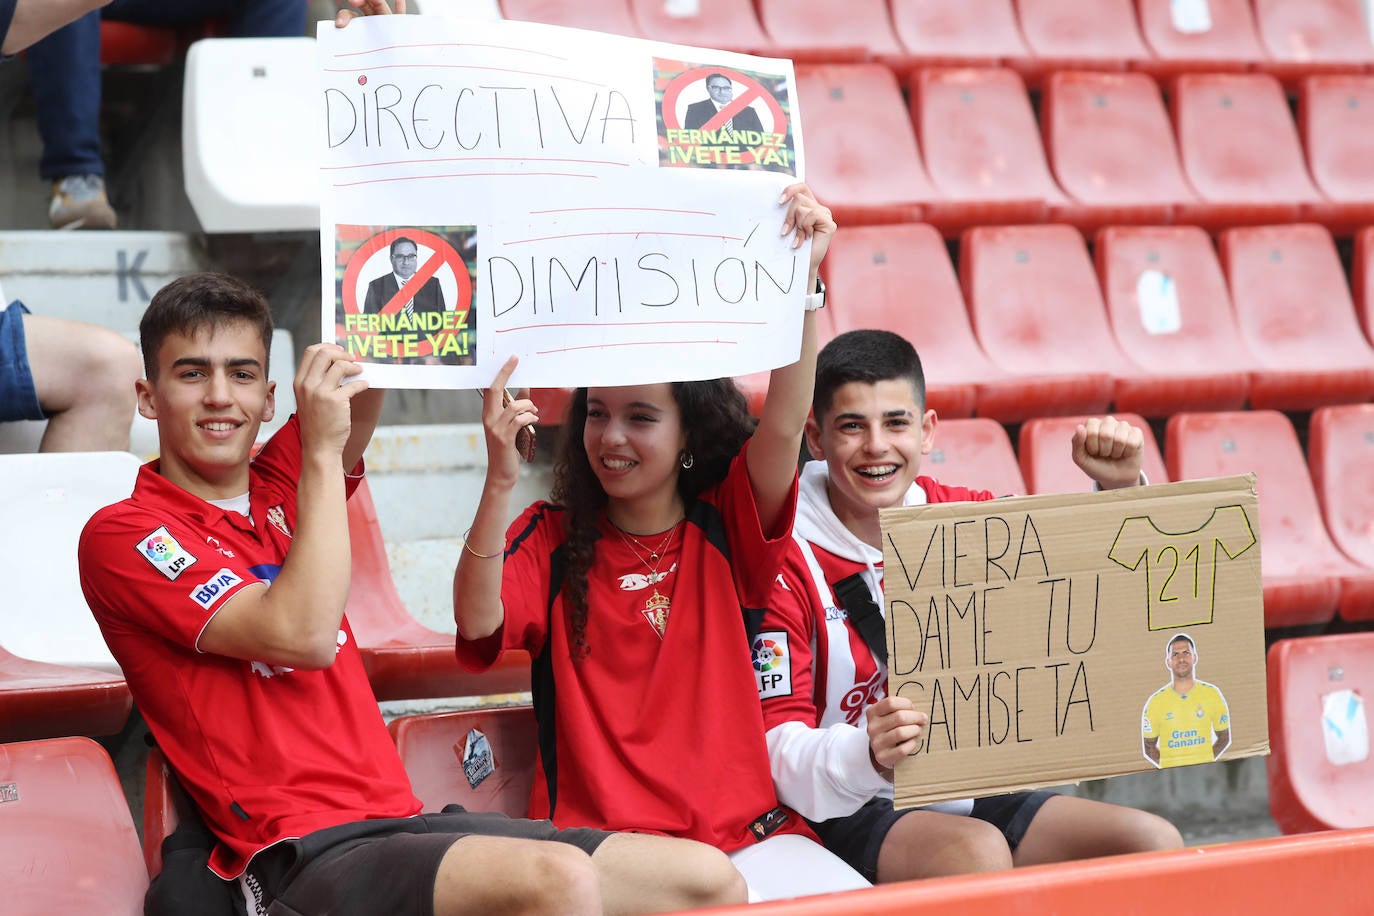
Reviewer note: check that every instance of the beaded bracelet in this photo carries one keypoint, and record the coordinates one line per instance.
(480, 556)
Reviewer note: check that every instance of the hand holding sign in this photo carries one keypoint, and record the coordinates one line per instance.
(809, 219)
(323, 393)
(366, 8)
(894, 726)
(509, 427)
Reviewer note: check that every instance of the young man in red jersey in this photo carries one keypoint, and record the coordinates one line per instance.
(220, 586)
(833, 737)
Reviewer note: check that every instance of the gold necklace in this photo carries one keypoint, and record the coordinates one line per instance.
(658, 605)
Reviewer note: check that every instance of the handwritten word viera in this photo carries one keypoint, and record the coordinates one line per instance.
(959, 645)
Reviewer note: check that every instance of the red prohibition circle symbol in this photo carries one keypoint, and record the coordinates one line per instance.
(441, 251)
(752, 89)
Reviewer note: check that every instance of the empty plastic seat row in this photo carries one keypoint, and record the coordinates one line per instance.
(1285, 37)
(966, 152)
(1028, 327)
(1228, 153)
(1307, 578)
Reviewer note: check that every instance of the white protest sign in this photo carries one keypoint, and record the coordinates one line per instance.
(604, 207)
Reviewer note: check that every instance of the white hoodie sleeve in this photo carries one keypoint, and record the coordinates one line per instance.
(822, 772)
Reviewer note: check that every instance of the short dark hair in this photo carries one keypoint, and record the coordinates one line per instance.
(721, 76)
(1182, 637)
(398, 241)
(196, 301)
(865, 356)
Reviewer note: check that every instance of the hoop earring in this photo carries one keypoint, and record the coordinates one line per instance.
(685, 459)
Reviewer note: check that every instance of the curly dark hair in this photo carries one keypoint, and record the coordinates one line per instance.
(715, 416)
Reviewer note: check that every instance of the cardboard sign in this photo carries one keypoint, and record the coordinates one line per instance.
(604, 207)
(1066, 637)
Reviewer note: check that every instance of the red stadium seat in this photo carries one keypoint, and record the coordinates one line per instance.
(1168, 307)
(1313, 36)
(611, 16)
(1334, 120)
(1037, 312)
(1318, 690)
(41, 700)
(126, 44)
(1362, 280)
(860, 146)
(959, 33)
(755, 384)
(1223, 39)
(974, 453)
(432, 748)
(161, 809)
(821, 31)
(982, 148)
(728, 24)
(1305, 577)
(1340, 451)
(1296, 316)
(1071, 35)
(403, 658)
(900, 279)
(1112, 149)
(1240, 150)
(67, 841)
(1045, 449)
(1250, 876)
(552, 404)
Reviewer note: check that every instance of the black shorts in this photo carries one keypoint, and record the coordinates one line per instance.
(858, 838)
(386, 865)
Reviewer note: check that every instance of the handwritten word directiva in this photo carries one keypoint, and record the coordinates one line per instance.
(389, 116)
(983, 595)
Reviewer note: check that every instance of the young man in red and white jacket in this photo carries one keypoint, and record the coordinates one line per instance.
(833, 734)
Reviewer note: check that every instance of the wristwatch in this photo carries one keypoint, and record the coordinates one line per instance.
(816, 300)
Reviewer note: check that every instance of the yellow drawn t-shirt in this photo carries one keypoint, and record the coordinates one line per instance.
(1181, 568)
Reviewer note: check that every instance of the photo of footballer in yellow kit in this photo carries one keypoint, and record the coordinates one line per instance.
(1186, 721)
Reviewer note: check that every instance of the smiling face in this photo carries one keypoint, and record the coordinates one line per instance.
(720, 89)
(1182, 659)
(209, 396)
(872, 439)
(633, 438)
(405, 259)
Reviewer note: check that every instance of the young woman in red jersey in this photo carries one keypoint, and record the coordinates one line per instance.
(671, 511)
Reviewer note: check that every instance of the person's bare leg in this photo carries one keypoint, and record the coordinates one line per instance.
(642, 873)
(84, 376)
(35, 18)
(929, 844)
(485, 874)
(1067, 827)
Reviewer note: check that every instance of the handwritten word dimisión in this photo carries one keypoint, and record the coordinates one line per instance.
(604, 286)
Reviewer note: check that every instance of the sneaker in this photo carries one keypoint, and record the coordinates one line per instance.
(79, 202)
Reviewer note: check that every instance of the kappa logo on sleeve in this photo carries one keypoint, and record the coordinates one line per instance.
(162, 550)
(207, 593)
(772, 664)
